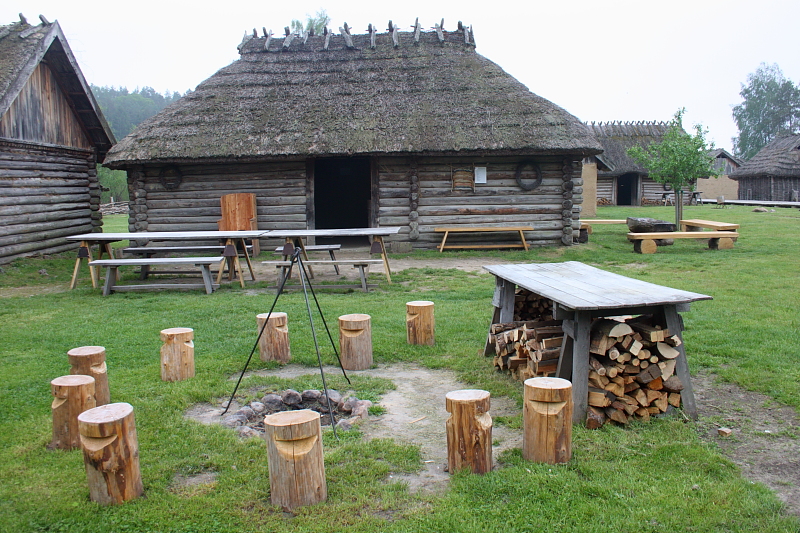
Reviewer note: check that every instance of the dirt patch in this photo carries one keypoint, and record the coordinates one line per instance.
(34, 290)
(765, 441)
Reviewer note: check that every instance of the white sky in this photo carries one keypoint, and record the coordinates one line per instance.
(601, 60)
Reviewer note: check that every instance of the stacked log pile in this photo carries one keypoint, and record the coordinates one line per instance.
(531, 345)
(632, 371)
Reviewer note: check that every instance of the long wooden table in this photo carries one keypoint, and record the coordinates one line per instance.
(580, 293)
(298, 238)
(519, 230)
(232, 239)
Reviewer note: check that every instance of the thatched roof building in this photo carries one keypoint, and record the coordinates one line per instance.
(620, 179)
(388, 103)
(773, 174)
(52, 134)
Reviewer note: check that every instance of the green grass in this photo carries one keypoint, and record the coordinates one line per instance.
(648, 477)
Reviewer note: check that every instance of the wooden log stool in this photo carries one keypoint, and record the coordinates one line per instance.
(111, 453)
(177, 354)
(547, 420)
(296, 464)
(469, 431)
(91, 361)
(420, 323)
(273, 345)
(72, 395)
(355, 341)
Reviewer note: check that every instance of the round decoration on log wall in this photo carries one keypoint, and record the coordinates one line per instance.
(170, 177)
(529, 186)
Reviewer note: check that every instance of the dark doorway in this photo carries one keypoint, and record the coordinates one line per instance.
(342, 193)
(627, 189)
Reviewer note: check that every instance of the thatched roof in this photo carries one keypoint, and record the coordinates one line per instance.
(780, 158)
(617, 137)
(300, 96)
(23, 47)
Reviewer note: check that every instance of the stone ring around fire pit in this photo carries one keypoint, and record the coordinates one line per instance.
(347, 410)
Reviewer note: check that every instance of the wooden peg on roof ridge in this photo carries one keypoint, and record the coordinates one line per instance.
(417, 30)
(439, 32)
(288, 40)
(460, 26)
(346, 28)
(22, 19)
(371, 30)
(44, 20)
(327, 39)
(286, 30)
(306, 34)
(441, 24)
(391, 27)
(269, 39)
(348, 39)
(255, 33)
(264, 30)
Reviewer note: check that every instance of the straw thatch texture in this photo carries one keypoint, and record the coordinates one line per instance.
(303, 100)
(617, 137)
(780, 158)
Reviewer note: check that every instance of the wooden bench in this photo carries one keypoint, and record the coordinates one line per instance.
(478, 229)
(150, 251)
(330, 248)
(699, 225)
(361, 264)
(645, 243)
(113, 264)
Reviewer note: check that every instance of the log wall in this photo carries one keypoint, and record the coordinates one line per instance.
(46, 194)
(770, 189)
(412, 192)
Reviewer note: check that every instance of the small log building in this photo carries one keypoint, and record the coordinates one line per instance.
(773, 174)
(52, 134)
(722, 185)
(412, 129)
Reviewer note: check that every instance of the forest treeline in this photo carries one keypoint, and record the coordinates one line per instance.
(124, 110)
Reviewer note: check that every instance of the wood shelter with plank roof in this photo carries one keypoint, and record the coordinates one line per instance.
(773, 174)
(399, 128)
(52, 134)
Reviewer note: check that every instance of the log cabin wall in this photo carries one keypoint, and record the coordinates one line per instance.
(606, 188)
(192, 203)
(417, 193)
(770, 188)
(46, 194)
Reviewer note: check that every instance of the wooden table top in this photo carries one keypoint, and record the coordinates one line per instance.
(336, 232)
(167, 235)
(581, 287)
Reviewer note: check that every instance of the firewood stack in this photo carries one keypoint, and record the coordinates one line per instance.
(531, 345)
(632, 370)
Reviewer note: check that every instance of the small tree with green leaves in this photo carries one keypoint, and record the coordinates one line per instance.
(678, 160)
(315, 23)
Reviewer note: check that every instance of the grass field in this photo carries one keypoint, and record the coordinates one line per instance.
(655, 477)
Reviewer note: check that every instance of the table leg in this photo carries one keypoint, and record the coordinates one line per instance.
(106, 246)
(299, 243)
(580, 366)
(247, 258)
(673, 322)
(363, 278)
(111, 277)
(444, 239)
(522, 238)
(207, 280)
(74, 282)
(236, 266)
(379, 240)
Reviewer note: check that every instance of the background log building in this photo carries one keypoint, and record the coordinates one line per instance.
(773, 174)
(52, 135)
(411, 129)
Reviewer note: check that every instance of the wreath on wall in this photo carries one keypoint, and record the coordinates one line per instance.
(528, 185)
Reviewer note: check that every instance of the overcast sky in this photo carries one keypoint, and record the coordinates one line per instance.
(601, 60)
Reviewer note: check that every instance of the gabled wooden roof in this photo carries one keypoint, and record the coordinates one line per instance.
(22, 47)
(617, 137)
(343, 94)
(780, 158)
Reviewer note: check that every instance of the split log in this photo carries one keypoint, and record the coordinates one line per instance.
(111, 453)
(296, 464)
(673, 384)
(667, 351)
(420, 323)
(469, 431)
(72, 395)
(273, 345)
(177, 354)
(91, 361)
(547, 420)
(595, 418)
(355, 341)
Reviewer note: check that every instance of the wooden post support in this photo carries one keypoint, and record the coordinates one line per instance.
(111, 453)
(469, 431)
(91, 361)
(274, 342)
(420, 323)
(72, 395)
(296, 465)
(547, 420)
(177, 354)
(355, 341)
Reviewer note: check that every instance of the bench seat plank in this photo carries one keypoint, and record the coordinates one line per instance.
(112, 265)
(708, 224)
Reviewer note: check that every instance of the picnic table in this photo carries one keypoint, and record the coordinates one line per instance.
(232, 240)
(299, 238)
(519, 230)
(580, 293)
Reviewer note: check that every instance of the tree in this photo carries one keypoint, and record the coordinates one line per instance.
(771, 108)
(314, 24)
(678, 160)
